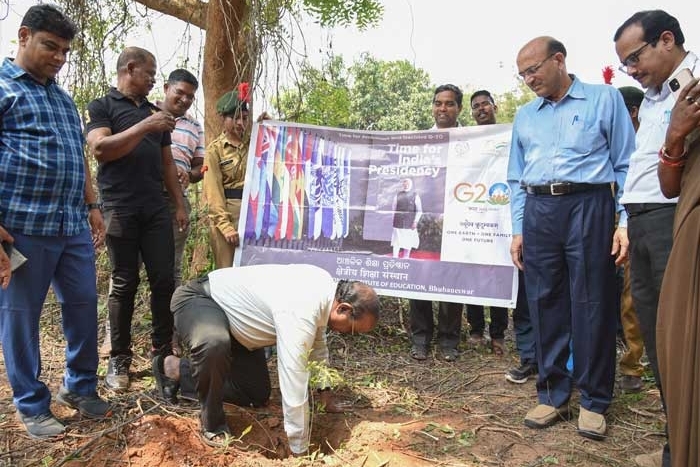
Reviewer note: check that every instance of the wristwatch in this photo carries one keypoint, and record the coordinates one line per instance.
(92, 206)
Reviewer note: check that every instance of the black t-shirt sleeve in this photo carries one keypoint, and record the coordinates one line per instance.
(166, 140)
(98, 116)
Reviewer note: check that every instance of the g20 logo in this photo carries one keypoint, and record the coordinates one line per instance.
(497, 194)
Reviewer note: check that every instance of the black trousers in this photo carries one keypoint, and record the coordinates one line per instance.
(223, 370)
(144, 231)
(651, 238)
(498, 325)
(449, 323)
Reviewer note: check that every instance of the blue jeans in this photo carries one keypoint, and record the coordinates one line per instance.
(67, 264)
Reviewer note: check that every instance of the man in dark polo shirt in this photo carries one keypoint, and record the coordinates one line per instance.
(130, 138)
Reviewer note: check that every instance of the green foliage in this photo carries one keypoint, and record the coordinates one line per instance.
(321, 97)
(102, 29)
(372, 94)
(509, 102)
(391, 95)
(320, 374)
(362, 13)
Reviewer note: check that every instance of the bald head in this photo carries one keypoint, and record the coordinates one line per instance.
(542, 65)
(135, 56)
(136, 72)
(361, 296)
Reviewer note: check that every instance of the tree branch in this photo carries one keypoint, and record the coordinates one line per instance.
(189, 11)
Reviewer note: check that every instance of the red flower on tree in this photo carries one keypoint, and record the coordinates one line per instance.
(608, 74)
(244, 92)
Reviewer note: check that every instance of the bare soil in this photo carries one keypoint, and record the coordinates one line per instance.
(406, 413)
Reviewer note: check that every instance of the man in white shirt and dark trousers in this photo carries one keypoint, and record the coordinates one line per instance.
(227, 318)
(650, 45)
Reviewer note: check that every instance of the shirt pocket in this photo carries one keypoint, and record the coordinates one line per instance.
(581, 138)
(229, 168)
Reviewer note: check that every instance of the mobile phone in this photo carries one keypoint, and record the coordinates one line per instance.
(679, 81)
(17, 259)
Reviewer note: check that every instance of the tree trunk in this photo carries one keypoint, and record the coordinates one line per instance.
(227, 56)
(189, 11)
(229, 47)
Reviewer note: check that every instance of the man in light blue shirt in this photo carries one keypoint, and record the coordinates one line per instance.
(569, 146)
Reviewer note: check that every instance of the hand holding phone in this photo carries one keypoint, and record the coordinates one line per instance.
(17, 259)
(679, 81)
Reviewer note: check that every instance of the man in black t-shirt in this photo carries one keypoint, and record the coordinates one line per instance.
(130, 138)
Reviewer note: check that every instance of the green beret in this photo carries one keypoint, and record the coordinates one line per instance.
(632, 96)
(229, 103)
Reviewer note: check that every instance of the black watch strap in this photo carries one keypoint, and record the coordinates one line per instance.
(92, 206)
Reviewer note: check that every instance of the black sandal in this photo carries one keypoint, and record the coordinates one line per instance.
(418, 352)
(217, 439)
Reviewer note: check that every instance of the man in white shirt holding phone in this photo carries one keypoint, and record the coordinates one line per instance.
(650, 47)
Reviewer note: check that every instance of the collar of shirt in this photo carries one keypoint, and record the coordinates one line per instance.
(575, 91)
(14, 71)
(187, 117)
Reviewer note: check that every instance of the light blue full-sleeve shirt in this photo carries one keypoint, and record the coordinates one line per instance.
(586, 137)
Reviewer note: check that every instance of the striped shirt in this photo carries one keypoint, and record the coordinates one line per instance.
(187, 140)
(42, 171)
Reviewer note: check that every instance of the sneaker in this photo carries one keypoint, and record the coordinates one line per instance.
(521, 374)
(591, 425)
(42, 426)
(117, 378)
(90, 406)
(629, 383)
(167, 387)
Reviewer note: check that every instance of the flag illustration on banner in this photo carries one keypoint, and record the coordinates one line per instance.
(265, 181)
(299, 182)
(275, 175)
(253, 179)
(314, 189)
(328, 182)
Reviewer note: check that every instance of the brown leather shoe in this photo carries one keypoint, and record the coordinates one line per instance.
(544, 416)
(498, 347)
(476, 340)
(591, 424)
(654, 459)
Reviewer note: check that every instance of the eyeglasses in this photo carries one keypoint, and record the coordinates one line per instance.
(633, 58)
(534, 68)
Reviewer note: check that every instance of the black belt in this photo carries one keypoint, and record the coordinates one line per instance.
(563, 188)
(635, 209)
(233, 193)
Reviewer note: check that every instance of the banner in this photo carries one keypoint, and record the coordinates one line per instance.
(420, 214)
